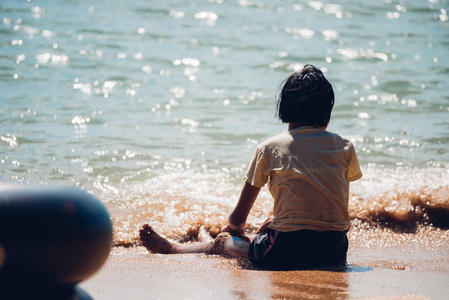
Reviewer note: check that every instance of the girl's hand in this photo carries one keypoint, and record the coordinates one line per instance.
(265, 225)
(236, 233)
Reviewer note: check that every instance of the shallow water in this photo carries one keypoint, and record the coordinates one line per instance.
(156, 108)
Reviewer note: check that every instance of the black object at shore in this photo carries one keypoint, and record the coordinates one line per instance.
(51, 238)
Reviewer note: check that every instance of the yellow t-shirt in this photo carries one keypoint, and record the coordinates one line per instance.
(308, 171)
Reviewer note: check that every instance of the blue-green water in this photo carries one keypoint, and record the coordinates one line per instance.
(156, 106)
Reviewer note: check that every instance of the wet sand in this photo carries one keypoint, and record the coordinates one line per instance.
(376, 272)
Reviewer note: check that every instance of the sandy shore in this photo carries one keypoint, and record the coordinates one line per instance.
(133, 273)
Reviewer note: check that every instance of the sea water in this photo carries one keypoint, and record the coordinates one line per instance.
(156, 107)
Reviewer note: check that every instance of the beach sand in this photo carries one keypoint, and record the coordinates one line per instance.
(403, 268)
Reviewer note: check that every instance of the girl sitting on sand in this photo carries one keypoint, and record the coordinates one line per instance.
(308, 171)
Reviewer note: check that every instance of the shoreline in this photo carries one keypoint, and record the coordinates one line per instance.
(380, 274)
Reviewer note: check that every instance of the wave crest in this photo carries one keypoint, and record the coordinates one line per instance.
(404, 210)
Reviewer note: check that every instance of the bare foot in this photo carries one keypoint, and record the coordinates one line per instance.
(154, 242)
(204, 236)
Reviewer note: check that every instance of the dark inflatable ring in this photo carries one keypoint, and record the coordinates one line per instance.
(51, 236)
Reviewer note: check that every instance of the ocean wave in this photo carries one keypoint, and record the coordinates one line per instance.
(179, 211)
(404, 211)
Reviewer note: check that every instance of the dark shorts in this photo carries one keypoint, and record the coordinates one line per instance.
(302, 249)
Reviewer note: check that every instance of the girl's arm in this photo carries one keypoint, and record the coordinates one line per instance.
(238, 216)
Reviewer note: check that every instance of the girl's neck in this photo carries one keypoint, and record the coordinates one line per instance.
(294, 125)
